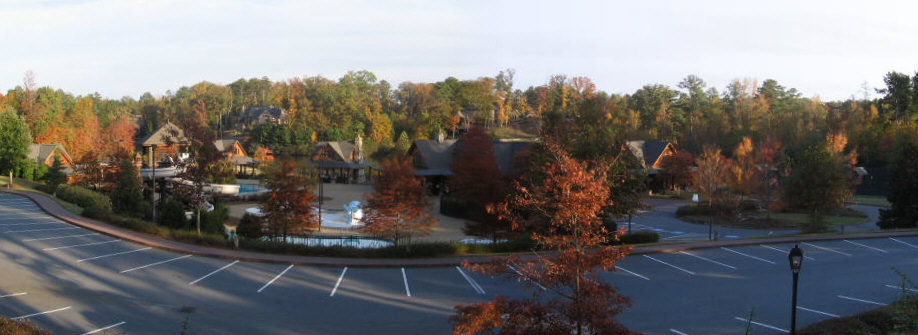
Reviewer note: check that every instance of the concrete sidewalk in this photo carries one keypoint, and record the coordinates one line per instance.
(53, 208)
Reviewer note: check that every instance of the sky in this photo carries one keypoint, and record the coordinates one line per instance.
(117, 48)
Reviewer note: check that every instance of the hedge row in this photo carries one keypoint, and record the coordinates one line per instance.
(84, 197)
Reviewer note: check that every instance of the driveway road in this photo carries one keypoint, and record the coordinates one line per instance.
(72, 281)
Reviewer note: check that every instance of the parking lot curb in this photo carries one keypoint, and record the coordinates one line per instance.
(55, 209)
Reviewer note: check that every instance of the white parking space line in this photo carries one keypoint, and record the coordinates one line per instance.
(104, 328)
(903, 242)
(275, 278)
(762, 324)
(784, 252)
(80, 245)
(340, 278)
(13, 295)
(747, 255)
(155, 264)
(707, 259)
(41, 313)
(635, 274)
(862, 300)
(673, 266)
(32, 230)
(405, 279)
(115, 254)
(817, 312)
(827, 249)
(677, 332)
(58, 237)
(471, 281)
(27, 224)
(215, 271)
(518, 273)
(900, 288)
(867, 246)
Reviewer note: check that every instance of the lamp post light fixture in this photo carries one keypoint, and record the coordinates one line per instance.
(795, 257)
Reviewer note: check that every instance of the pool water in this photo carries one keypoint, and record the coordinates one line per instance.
(251, 188)
(344, 241)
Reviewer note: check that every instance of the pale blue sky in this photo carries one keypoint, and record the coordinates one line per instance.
(127, 47)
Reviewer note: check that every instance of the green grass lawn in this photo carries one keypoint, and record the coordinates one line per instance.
(869, 200)
(30, 186)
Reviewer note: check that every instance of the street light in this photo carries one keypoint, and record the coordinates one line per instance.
(795, 257)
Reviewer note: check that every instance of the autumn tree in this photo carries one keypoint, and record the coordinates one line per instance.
(576, 300)
(14, 141)
(744, 175)
(87, 170)
(679, 167)
(289, 206)
(478, 182)
(767, 157)
(711, 179)
(397, 208)
(203, 164)
(118, 137)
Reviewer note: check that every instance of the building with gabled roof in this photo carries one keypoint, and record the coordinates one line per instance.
(342, 161)
(45, 154)
(165, 142)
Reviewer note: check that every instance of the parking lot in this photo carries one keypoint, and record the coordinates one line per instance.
(73, 281)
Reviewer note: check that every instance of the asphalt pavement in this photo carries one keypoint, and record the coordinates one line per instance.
(72, 280)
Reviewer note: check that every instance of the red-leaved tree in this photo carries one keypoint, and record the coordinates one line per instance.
(397, 208)
(478, 183)
(289, 206)
(575, 300)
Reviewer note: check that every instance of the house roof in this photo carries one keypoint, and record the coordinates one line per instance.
(437, 157)
(343, 151)
(224, 145)
(41, 152)
(160, 135)
(648, 152)
(255, 112)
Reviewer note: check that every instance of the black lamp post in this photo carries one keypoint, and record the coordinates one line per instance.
(796, 260)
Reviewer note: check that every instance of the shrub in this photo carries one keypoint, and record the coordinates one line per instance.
(173, 214)
(639, 237)
(212, 222)
(19, 327)
(84, 197)
(97, 213)
(250, 226)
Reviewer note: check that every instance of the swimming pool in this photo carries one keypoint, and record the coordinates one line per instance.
(344, 241)
(251, 188)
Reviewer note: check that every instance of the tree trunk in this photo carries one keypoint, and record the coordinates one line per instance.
(198, 224)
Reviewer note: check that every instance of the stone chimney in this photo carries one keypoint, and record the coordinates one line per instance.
(358, 144)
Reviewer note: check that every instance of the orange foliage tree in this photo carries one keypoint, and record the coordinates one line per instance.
(118, 137)
(568, 197)
(397, 208)
(478, 182)
(289, 207)
(679, 166)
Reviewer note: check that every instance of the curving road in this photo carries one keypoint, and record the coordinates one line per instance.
(73, 281)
